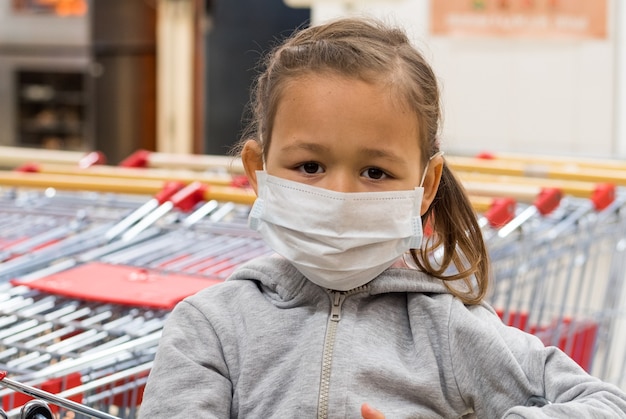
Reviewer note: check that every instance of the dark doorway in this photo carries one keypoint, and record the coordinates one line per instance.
(240, 32)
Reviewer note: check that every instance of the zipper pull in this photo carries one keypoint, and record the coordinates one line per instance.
(335, 310)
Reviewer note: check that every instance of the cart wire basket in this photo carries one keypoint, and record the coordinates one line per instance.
(72, 345)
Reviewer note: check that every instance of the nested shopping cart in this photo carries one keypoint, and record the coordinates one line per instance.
(65, 327)
(559, 268)
(557, 247)
(73, 333)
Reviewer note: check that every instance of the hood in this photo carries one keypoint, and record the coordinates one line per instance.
(282, 282)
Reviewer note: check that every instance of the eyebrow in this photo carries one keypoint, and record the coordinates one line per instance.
(308, 146)
(366, 152)
(379, 153)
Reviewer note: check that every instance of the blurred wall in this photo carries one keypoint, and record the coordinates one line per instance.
(524, 95)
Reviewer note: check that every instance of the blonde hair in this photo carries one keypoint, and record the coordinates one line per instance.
(368, 50)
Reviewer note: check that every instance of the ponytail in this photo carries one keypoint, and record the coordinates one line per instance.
(455, 252)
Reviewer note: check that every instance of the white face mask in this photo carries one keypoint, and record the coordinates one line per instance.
(337, 240)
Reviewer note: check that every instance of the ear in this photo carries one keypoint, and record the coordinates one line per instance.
(252, 159)
(431, 182)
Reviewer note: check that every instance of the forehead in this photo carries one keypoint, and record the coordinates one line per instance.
(383, 86)
(338, 110)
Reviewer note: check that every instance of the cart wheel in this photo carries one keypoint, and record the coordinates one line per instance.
(36, 409)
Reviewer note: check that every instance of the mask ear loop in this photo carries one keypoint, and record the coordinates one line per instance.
(407, 258)
(437, 154)
(262, 153)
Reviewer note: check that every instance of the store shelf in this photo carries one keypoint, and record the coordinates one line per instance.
(52, 109)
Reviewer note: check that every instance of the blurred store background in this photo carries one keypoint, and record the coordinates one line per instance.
(93, 257)
(540, 76)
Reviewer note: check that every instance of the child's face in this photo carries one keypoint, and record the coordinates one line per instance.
(345, 135)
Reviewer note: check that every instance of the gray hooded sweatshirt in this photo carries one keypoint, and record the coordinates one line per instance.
(268, 343)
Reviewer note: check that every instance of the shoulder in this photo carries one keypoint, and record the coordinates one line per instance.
(267, 280)
(479, 339)
(230, 295)
(475, 334)
(481, 321)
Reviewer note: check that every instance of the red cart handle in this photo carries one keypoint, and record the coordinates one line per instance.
(189, 196)
(548, 200)
(603, 195)
(501, 211)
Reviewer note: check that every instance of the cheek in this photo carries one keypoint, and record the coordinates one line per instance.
(284, 174)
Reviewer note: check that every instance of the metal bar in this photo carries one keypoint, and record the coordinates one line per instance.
(51, 398)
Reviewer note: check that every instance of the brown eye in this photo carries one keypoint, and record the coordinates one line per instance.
(374, 173)
(311, 168)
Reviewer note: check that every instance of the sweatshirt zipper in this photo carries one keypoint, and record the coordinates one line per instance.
(337, 298)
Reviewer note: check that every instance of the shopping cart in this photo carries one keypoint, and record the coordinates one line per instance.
(89, 352)
(558, 267)
(38, 226)
(65, 328)
(72, 333)
(39, 409)
(560, 275)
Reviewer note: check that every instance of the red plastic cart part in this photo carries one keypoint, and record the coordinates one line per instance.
(169, 189)
(189, 196)
(547, 200)
(121, 284)
(501, 211)
(138, 159)
(132, 397)
(603, 195)
(92, 159)
(485, 155)
(240, 181)
(576, 338)
(30, 167)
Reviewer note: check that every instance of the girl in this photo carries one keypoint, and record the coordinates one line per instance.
(356, 318)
